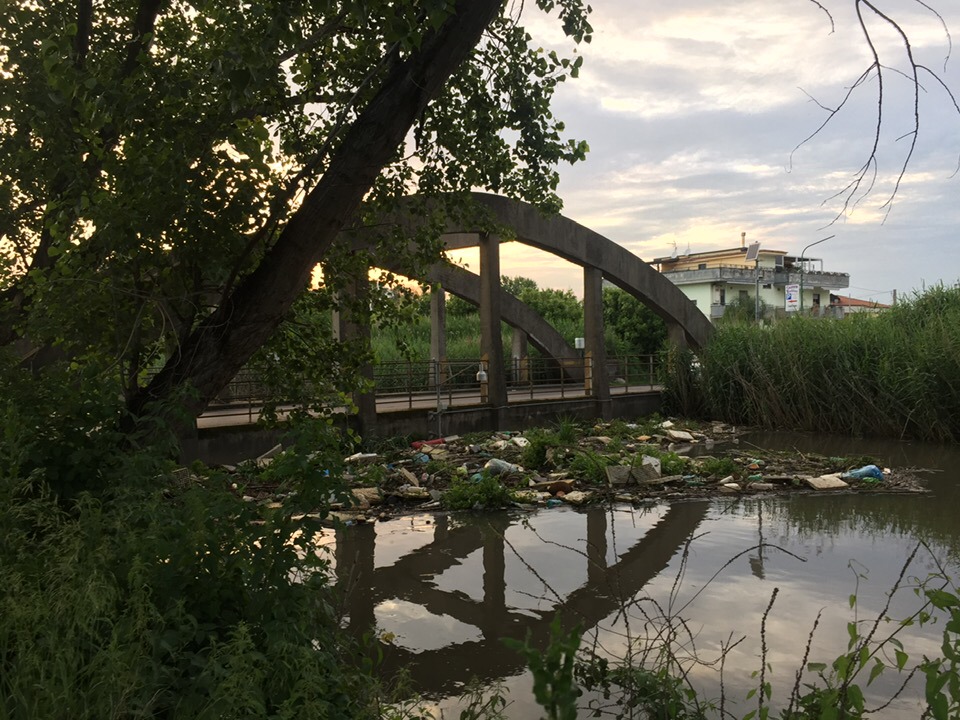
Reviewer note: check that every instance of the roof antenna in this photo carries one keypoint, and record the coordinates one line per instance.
(674, 254)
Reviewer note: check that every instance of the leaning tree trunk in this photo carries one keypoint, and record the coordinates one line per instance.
(216, 350)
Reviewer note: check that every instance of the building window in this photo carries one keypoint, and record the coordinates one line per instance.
(702, 266)
(723, 296)
(816, 299)
(744, 295)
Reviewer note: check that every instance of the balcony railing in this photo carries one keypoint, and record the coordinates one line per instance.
(738, 275)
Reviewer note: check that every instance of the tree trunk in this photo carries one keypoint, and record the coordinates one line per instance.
(225, 341)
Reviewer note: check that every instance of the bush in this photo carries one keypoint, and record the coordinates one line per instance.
(487, 493)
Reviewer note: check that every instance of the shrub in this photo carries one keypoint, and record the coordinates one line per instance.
(487, 493)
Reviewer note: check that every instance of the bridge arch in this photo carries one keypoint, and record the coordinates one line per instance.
(599, 257)
(582, 246)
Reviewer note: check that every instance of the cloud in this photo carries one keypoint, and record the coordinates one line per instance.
(694, 111)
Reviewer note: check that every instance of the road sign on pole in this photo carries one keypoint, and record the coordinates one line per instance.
(792, 297)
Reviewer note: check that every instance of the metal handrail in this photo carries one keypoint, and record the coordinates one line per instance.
(405, 384)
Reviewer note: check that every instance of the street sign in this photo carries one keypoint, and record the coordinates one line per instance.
(792, 297)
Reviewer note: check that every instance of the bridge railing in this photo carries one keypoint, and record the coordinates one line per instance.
(438, 384)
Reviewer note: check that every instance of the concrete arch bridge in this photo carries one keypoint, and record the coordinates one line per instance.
(600, 258)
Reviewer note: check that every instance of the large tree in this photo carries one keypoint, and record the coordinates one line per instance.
(171, 172)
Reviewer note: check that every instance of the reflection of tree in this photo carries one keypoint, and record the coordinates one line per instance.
(440, 671)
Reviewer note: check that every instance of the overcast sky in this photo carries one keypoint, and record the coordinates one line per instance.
(693, 108)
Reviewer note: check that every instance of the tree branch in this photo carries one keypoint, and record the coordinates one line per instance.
(224, 342)
(81, 42)
(143, 25)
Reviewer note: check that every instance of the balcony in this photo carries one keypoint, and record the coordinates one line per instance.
(738, 275)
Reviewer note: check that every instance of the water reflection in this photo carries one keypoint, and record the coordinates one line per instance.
(481, 579)
(444, 590)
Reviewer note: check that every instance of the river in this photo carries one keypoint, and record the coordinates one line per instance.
(442, 590)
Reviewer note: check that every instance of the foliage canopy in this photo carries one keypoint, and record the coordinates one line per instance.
(172, 171)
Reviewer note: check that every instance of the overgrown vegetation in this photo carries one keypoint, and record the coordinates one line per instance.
(894, 374)
(169, 597)
(485, 493)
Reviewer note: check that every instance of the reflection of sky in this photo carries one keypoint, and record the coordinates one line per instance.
(416, 628)
(836, 545)
(401, 536)
(465, 577)
(821, 579)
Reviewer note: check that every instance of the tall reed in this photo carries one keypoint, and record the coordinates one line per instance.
(894, 374)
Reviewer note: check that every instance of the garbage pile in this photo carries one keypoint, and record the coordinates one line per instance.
(607, 462)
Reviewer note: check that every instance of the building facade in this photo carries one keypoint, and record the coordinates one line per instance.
(785, 283)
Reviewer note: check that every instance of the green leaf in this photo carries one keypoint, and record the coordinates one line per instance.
(901, 657)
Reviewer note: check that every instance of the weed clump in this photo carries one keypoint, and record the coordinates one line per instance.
(487, 493)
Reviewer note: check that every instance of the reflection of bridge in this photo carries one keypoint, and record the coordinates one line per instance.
(412, 579)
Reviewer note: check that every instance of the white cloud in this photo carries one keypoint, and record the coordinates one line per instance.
(692, 111)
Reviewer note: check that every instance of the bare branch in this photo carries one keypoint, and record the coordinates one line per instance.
(827, 13)
(817, 102)
(946, 30)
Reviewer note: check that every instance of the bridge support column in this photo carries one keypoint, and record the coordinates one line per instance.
(596, 547)
(494, 580)
(438, 334)
(351, 324)
(491, 343)
(676, 336)
(521, 356)
(597, 381)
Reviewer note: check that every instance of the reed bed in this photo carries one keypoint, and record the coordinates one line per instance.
(895, 374)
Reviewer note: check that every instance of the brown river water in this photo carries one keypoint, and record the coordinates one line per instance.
(442, 590)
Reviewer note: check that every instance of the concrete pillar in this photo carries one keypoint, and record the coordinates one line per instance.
(355, 552)
(597, 382)
(349, 325)
(494, 582)
(596, 547)
(520, 354)
(676, 336)
(438, 334)
(491, 344)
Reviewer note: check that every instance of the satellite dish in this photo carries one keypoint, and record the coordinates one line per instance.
(753, 251)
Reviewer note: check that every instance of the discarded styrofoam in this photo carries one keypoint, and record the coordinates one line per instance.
(826, 482)
(578, 497)
(680, 436)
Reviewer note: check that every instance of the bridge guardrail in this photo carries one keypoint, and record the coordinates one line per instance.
(439, 384)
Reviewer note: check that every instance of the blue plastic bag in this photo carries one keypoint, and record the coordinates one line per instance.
(867, 471)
